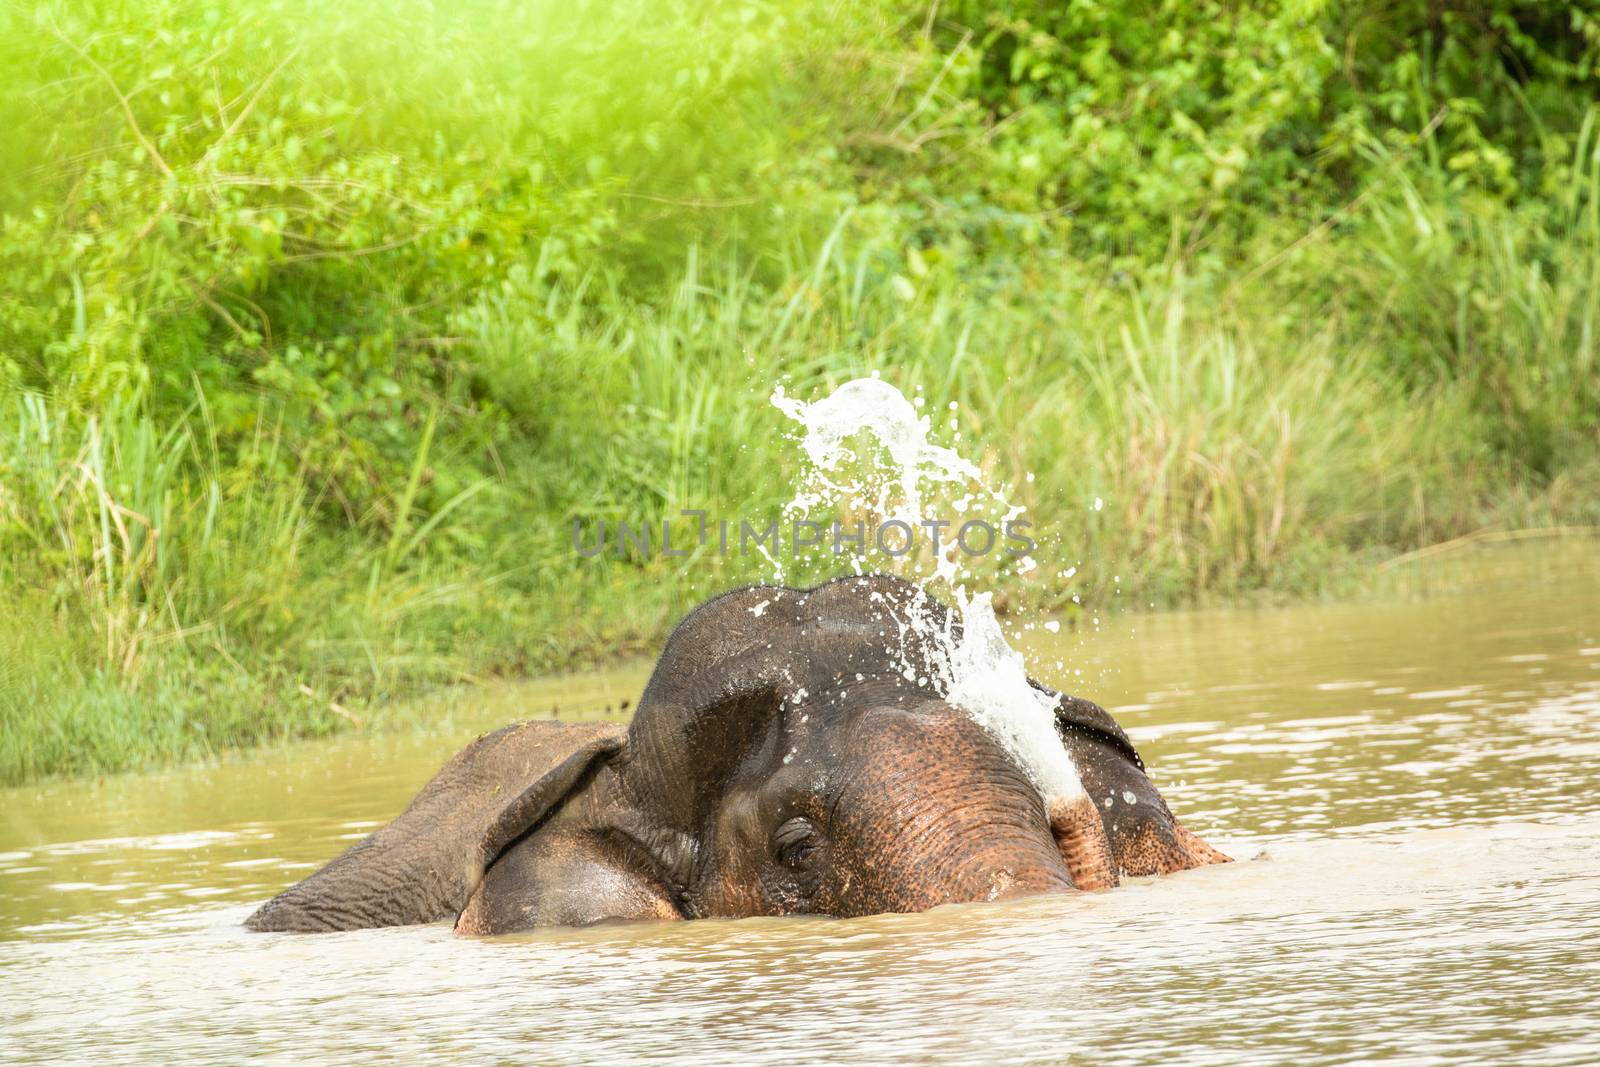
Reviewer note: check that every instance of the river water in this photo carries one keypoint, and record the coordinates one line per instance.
(1409, 783)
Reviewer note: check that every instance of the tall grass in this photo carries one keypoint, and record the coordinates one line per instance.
(160, 601)
(165, 602)
(1237, 448)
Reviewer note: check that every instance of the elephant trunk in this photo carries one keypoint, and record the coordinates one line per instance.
(1081, 838)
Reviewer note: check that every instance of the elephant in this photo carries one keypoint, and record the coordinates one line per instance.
(783, 759)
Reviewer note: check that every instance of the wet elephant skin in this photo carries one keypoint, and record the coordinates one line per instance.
(788, 756)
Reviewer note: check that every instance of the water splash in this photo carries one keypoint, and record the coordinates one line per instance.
(990, 682)
(874, 406)
(980, 673)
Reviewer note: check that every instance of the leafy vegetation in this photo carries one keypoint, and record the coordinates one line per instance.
(321, 323)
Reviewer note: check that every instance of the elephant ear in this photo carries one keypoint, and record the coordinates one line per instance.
(1082, 718)
(425, 865)
(1144, 836)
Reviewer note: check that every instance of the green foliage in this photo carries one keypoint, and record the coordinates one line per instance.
(1154, 126)
(1144, 123)
(319, 325)
(292, 201)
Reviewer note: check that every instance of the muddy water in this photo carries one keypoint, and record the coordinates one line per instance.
(1411, 784)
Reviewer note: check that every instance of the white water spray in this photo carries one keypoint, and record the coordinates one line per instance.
(982, 674)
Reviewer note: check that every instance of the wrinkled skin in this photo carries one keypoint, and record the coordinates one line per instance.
(778, 763)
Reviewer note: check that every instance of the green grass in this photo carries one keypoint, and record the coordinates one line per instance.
(315, 339)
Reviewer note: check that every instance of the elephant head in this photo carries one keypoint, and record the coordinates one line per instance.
(790, 754)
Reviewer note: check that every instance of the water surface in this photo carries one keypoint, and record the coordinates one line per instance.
(1408, 783)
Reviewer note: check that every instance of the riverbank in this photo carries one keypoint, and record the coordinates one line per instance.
(1488, 566)
(309, 359)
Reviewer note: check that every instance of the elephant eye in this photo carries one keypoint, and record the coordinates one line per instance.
(795, 842)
